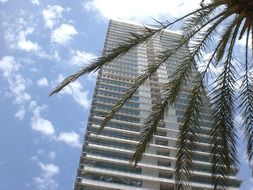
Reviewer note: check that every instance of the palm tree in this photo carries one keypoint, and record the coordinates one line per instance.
(215, 27)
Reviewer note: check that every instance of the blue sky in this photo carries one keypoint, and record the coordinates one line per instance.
(42, 42)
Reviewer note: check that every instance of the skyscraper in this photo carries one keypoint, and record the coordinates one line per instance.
(104, 162)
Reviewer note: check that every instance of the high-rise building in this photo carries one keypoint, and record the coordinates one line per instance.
(104, 162)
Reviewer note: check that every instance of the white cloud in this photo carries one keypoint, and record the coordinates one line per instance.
(8, 65)
(45, 127)
(43, 183)
(49, 169)
(56, 56)
(33, 107)
(92, 76)
(71, 138)
(242, 42)
(46, 181)
(141, 10)
(24, 44)
(17, 86)
(17, 83)
(52, 155)
(20, 114)
(38, 123)
(81, 58)
(63, 34)
(35, 2)
(215, 70)
(3, 1)
(17, 34)
(51, 15)
(78, 93)
(42, 82)
(42, 126)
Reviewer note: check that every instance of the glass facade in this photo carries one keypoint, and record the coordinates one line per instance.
(104, 162)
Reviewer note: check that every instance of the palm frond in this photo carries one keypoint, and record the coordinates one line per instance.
(214, 55)
(150, 125)
(247, 113)
(201, 42)
(189, 134)
(252, 39)
(148, 129)
(246, 105)
(223, 36)
(171, 91)
(223, 132)
(109, 56)
(161, 59)
(133, 41)
(204, 19)
(221, 50)
(141, 79)
(133, 88)
(200, 27)
(197, 20)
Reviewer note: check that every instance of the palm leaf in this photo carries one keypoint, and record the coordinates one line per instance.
(246, 105)
(189, 134)
(131, 42)
(164, 56)
(171, 92)
(200, 27)
(223, 132)
(123, 48)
